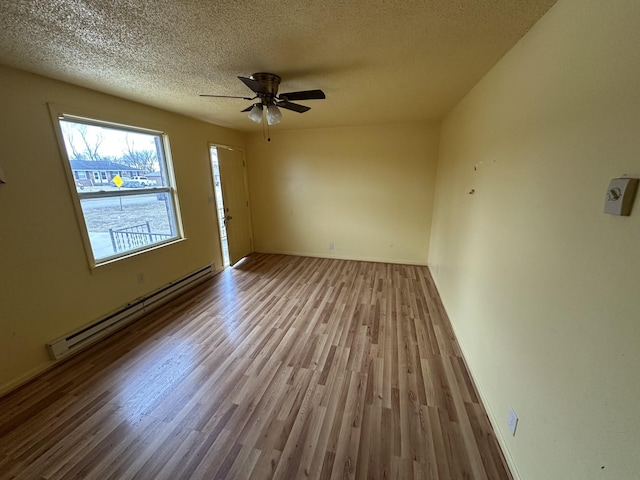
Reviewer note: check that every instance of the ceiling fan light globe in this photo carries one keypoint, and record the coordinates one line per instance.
(273, 115)
(255, 115)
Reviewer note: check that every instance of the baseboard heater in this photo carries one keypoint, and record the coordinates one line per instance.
(90, 334)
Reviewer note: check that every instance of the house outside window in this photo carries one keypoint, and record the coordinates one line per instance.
(120, 216)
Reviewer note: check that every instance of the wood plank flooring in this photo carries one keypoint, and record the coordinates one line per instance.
(283, 367)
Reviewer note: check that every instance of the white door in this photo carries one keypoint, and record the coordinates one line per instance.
(236, 203)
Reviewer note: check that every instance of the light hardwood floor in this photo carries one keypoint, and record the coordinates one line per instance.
(284, 367)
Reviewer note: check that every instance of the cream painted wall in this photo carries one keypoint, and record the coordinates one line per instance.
(541, 286)
(368, 190)
(46, 286)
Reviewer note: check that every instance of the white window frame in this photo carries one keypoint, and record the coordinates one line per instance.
(58, 114)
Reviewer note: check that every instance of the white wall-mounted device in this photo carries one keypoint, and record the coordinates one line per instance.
(620, 195)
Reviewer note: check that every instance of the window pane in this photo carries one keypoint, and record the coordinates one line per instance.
(113, 157)
(121, 224)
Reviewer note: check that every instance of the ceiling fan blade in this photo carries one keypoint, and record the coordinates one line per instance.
(250, 107)
(253, 85)
(293, 106)
(304, 95)
(225, 96)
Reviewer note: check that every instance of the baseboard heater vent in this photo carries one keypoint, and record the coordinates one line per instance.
(90, 334)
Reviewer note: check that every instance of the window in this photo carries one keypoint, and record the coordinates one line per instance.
(121, 215)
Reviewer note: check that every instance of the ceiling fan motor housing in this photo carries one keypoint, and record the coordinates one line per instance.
(270, 83)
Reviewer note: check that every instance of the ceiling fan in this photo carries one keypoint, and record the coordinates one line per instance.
(265, 87)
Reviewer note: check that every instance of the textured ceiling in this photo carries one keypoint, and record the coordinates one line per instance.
(377, 61)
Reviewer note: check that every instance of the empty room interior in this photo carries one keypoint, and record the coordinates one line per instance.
(429, 275)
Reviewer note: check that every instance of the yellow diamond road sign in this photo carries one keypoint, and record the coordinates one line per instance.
(117, 180)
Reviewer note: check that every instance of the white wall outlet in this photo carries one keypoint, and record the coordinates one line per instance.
(331, 246)
(512, 421)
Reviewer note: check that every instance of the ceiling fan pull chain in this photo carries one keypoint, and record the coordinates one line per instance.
(268, 136)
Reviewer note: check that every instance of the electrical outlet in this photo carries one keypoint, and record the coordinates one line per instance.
(512, 421)
(331, 246)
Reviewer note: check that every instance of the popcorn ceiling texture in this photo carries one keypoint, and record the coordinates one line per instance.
(377, 61)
